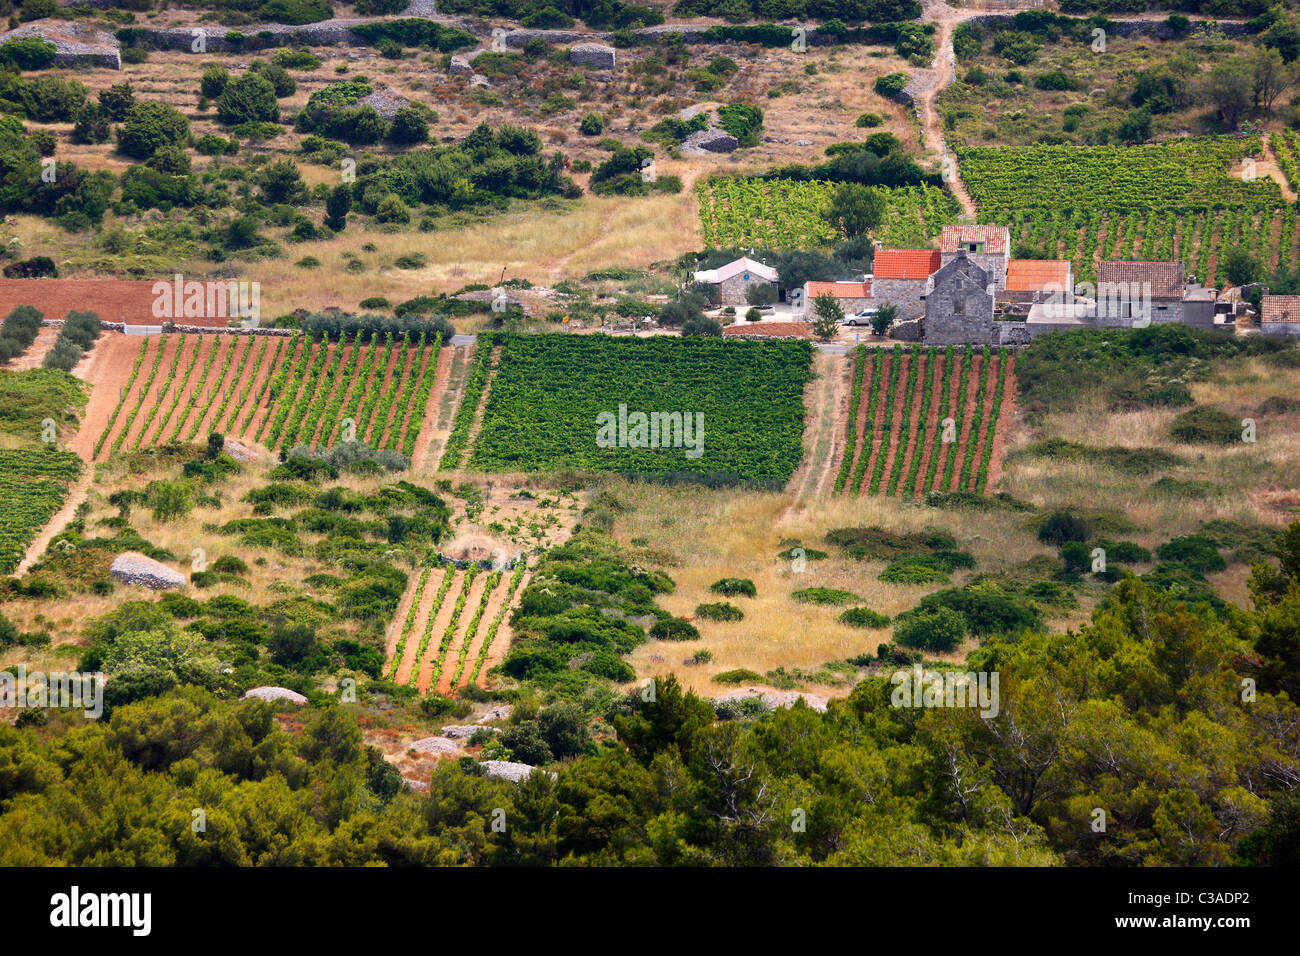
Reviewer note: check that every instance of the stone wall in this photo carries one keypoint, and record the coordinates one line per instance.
(903, 294)
(959, 309)
(1280, 328)
(733, 290)
(995, 264)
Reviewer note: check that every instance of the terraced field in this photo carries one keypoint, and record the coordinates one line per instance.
(33, 484)
(448, 631)
(276, 390)
(925, 419)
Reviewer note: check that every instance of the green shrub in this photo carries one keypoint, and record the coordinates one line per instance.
(939, 630)
(740, 675)
(827, 596)
(721, 611)
(891, 84)
(1195, 551)
(149, 126)
(905, 573)
(1205, 425)
(733, 587)
(674, 629)
(985, 611)
(863, 617)
(1061, 526)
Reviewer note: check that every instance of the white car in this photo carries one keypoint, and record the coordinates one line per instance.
(862, 317)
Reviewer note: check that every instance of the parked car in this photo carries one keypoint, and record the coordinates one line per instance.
(861, 317)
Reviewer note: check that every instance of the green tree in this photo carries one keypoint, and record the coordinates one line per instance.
(1230, 89)
(827, 317)
(883, 319)
(149, 126)
(856, 210)
(248, 99)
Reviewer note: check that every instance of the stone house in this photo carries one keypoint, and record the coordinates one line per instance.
(851, 296)
(989, 247)
(899, 278)
(1279, 315)
(1126, 289)
(959, 306)
(736, 277)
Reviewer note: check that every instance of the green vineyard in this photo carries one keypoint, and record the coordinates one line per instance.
(33, 485)
(924, 419)
(280, 391)
(782, 213)
(1167, 201)
(549, 391)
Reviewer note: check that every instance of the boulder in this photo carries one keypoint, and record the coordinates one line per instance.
(434, 745)
(462, 731)
(460, 66)
(710, 141)
(507, 770)
(500, 712)
(595, 55)
(131, 567)
(273, 693)
(479, 80)
(385, 102)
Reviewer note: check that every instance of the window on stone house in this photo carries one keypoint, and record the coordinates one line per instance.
(958, 306)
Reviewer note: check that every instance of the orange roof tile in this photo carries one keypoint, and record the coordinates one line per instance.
(840, 290)
(905, 263)
(1034, 275)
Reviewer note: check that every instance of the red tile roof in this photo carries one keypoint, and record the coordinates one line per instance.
(840, 290)
(905, 263)
(1280, 308)
(1035, 275)
(996, 239)
(1166, 280)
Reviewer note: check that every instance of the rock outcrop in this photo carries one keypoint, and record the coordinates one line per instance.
(131, 567)
(273, 693)
(595, 55)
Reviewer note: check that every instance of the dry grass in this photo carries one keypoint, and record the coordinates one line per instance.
(535, 243)
(729, 533)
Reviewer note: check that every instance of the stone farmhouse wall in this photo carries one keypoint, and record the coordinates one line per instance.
(904, 294)
(959, 309)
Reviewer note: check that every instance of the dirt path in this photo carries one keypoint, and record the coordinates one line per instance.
(826, 404)
(934, 80)
(35, 353)
(76, 495)
(431, 420)
(107, 374)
